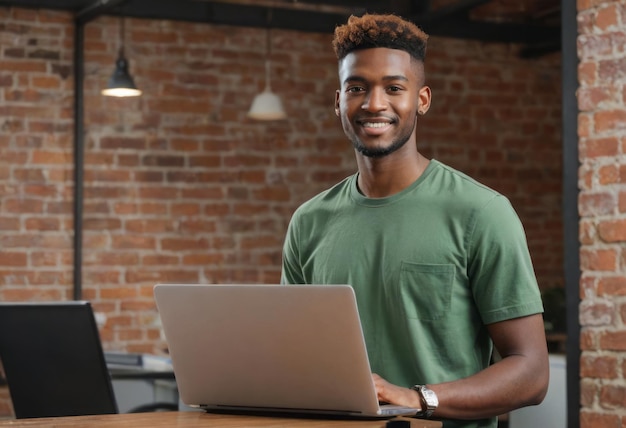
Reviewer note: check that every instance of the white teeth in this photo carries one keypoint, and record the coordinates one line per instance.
(375, 124)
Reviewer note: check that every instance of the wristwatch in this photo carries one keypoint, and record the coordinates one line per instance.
(429, 400)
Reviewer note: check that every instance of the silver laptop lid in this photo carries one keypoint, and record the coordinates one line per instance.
(293, 348)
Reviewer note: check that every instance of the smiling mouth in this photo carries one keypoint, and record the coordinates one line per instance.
(375, 128)
(375, 124)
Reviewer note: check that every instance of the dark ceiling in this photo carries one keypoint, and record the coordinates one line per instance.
(533, 23)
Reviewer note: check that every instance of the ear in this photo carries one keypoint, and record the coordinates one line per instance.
(337, 102)
(423, 100)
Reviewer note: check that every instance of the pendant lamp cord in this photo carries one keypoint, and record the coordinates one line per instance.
(268, 46)
(122, 34)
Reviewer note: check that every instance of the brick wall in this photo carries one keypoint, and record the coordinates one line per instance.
(602, 204)
(181, 187)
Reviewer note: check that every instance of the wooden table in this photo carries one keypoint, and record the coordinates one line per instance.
(204, 420)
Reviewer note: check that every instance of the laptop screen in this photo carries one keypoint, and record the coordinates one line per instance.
(53, 360)
(288, 348)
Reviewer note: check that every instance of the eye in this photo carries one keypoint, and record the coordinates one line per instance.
(355, 89)
(394, 88)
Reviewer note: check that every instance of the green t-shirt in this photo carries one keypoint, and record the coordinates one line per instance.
(430, 266)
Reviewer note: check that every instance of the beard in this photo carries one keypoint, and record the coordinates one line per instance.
(379, 152)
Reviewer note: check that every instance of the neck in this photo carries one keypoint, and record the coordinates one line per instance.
(382, 177)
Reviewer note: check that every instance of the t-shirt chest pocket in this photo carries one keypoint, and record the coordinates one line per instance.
(425, 290)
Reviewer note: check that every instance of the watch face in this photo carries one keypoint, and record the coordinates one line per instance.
(430, 397)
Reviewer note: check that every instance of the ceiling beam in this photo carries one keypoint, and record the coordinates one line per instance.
(491, 31)
(460, 7)
(97, 8)
(449, 21)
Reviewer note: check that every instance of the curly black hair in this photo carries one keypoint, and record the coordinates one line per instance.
(379, 31)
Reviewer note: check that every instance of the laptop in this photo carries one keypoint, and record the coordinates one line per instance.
(53, 359)
(294, 349)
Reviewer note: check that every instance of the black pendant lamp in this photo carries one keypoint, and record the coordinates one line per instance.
(121, 83)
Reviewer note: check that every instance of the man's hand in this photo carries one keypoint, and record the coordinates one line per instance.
(394, 394)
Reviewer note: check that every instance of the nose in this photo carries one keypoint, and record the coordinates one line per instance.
(375, 101)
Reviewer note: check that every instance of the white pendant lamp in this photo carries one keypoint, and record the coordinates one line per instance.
(267, 105)
(121, 83)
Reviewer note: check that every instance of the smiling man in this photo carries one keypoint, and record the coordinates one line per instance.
(439, 263)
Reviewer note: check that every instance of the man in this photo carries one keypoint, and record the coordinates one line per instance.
(439, 263)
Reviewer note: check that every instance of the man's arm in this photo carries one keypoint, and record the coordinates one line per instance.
(519, 379)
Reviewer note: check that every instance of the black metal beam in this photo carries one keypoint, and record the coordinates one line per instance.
(96, 9)
(449, 21)
(571, 218)
(463, 28)
(234, 14)
(460, 7)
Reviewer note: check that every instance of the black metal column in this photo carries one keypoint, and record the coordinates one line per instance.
(81, 19)
(79, 150)
(571, 219)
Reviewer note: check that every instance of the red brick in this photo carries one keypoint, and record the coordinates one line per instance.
(594, 46)
(598, 367)
(102, 224)
(114, 143)
(120, 293)
(133, 242)
(612, 231)
(206, 161)
(596, 313)
(198, 226)
(15, 259)
(111, 259)
(598, 259)
(152, 208)
(594, 204)
(608, 174)
(587, 232)
(613, 396)
(9, 223)
(203, 259)
(611, 120)
(588, 392)
(588, 340)
(587, 72)
(24, 66)
(608, 17)
(183, 244)
(107, 277)
(46, 82)
(119, 320)
(42, 224)
(152, 226)
(160, 260)
(590, 419)
(600, 147)
(613, 340)
(612, 286)
(188, 209)
(272, 194)
(23, 206)
(203, 193)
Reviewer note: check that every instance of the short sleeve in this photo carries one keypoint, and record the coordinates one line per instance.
(500, 269)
